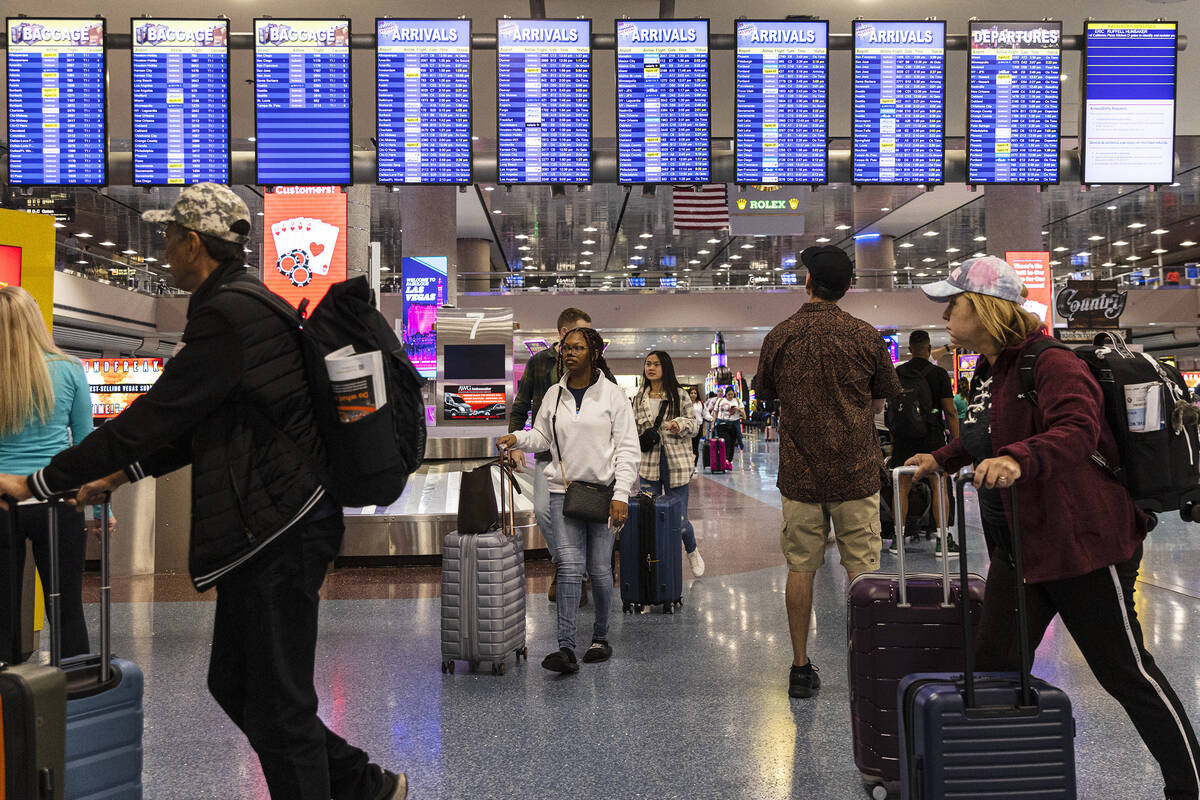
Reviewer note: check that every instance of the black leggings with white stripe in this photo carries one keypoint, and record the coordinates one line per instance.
(1098, 610)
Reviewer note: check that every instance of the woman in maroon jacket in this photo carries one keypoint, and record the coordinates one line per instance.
(1083, 541)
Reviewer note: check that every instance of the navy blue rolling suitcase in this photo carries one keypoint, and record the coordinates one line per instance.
(652, 553)
(986, 737)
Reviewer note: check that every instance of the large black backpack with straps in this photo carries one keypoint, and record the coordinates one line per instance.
(911, 415)
(1147, 405)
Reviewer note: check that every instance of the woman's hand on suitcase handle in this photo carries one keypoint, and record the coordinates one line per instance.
(618, 512)
(94, 492)
(925, 463)
(514, 458)
(12, 488)
(997, 473)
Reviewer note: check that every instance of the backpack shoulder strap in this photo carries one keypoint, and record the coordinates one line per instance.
(270, 299)
(1028, 363)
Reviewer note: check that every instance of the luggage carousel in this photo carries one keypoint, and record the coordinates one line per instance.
(414, 525)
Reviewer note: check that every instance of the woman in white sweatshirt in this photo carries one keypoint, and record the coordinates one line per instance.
(586, 422)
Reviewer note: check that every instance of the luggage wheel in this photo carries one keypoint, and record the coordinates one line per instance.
(448, 666)
(474, 665)
(668, 608)
(522, 652)
(877, 791)
(498, 668)
(627, 608)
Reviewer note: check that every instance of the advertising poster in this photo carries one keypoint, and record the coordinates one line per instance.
(114, 383)
(893, 345)
(474, 402)
(1034, 271)
(424, 291)
(10, 265)
(304, 242)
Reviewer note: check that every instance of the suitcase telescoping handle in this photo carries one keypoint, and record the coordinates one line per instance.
(943, 533)
(967, 475)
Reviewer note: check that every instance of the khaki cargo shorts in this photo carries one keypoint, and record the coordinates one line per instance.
(855, 524)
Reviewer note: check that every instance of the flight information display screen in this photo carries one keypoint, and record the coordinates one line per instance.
(302, 101)
(1013, 102)
(56, 94)
(180, 101)
(662, 101)
(899, 101)
(423, 100)
(782, 101)
(544, 100)
(1129, 102)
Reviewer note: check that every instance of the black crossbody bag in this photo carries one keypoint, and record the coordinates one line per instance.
(587, 502)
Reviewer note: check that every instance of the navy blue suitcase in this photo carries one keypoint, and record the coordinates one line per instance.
(986, 737)
(652, 553)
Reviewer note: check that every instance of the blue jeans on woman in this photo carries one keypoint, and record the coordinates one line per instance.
(581, 546)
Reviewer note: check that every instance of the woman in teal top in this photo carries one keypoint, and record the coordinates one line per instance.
(44, 409)
(960, 399)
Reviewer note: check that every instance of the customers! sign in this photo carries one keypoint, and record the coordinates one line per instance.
(304, 242)
(1091, 304)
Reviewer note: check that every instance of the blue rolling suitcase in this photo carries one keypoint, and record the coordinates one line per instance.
(652, 554)
(986, 737)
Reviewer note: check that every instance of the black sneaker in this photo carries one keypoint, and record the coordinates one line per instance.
(600, 650)
(395, 786)
(561, 660)
(803, 681)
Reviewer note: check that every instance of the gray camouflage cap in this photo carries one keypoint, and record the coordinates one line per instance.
(208, 208)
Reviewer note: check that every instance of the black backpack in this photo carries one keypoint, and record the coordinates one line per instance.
(910, 415)
(1159, 467)
(368, 460)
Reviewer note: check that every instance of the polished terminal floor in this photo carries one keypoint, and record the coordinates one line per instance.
(691, 705)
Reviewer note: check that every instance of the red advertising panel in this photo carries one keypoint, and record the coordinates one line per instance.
(116, 382)
(10, 265)
(304, 241)
(474, 402)
(1034, 271)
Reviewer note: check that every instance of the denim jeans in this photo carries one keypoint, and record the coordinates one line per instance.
(541, 506)
(689, 533)
(582, 545)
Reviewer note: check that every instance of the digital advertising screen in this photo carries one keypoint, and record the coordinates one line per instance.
(114, 383)
(1129, 102)
(788, 279)
(544, 100)
(535, 346)
(899, 102)
(302, 101)
(667, 283)
(10, 265)
(304, 242)
(423, 100)
(782, 101)
(892, 340)
(424, 285)
(663, 117)
(482, 403)
(56, 94)
(1033, 268)
(180, 73)
(1013, 102)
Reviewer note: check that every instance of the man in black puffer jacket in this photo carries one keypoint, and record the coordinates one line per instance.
(234, 404)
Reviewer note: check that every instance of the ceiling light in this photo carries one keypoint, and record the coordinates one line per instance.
(258, 214)
(1159, 231)
(724, 266)
(152, 259)
(527, 258)
(977, 255)
(1110, 208)
(951, 249)
(735, 258)
(689, 269)
(59, 225)
(694, 261)
(747, 246)
(922, 274)
(1133, 258)
(591, 229)
(245, 249)
(1055, 263)
(885, 208)
(1095, 237)
(822, 239)
(1158, 250)
(955, 263)
(981, 238)
(645, 235)
(908, 267)
(1062, 76)
(1060, 249)
(130, 252)
(520, 236)
(1174, 184)
(489, 188)
(842, 228)
(907, 244)
(81, 261)
(639, 247)
(497, 211)
(1083, 254)
(474, 138)
(585, 252)
(1120, 243)
(927, 260)
(107, 243)
(585, 263)
(251, 139)
(1136, 225)
(702, 252)
(930, 233)
(589, 241)
(1109, 264)
(84, 235)
(1187, 243)
(714, 241)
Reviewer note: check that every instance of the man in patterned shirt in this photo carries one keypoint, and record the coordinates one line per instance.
(830, 373)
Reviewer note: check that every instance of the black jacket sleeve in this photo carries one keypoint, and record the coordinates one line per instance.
(523, 400)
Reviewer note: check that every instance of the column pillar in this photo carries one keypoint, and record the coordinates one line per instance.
(474, 265)
(1012, 220)
(358, 229)
(875, 261)
(429, 219)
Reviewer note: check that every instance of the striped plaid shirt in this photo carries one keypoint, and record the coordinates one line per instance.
(680, 461)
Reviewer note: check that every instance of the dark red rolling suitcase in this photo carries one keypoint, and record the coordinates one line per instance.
(899, 624)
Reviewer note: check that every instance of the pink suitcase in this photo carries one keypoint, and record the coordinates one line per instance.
(717, 464)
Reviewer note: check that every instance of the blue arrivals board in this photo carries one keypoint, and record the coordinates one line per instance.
(1013, 102)
(56, 94)
(782, 101)
(423, 100)
(302, 101)
(662, 101)
(544, 100)
(180, 101)
(899, 101)
(1129, 102)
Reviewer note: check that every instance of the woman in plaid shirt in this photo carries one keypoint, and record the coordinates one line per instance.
(663, 404)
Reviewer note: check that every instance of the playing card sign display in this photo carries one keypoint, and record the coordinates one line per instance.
(304, 250)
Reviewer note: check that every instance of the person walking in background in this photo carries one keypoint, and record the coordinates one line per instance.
(701, 417)
(960, 399)
(665, 422)
(830, 374)
(586, 422)
(729, 414)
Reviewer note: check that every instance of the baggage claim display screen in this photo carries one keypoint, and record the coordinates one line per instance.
(544, 100)
(662, 101)
(180, 101)
(782, 101)
(302, 101)
(423, 100)
(56, 94)
(1012, 102)
(1129, 102)
(899, 101)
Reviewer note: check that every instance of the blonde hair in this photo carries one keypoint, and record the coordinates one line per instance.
(26, 392)
(1005, 321)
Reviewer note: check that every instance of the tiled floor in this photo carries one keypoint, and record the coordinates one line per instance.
(692, 705)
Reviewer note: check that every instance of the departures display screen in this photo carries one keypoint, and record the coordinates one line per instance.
(180, 101)
(1129, 102)
(662, 101)
(899, 101)
(423, 100)
(544, 101)
(782, 101)
(302, 101)
(56, 95)
(1013, 102)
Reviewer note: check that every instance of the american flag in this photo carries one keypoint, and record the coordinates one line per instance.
(700, 209)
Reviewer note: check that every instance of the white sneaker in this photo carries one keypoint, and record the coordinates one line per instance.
(696, 562)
